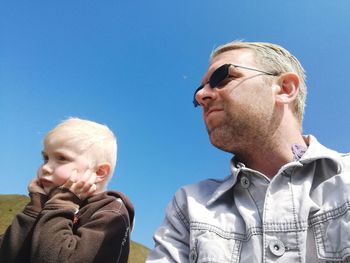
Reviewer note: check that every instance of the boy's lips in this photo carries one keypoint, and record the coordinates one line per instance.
(44, 181)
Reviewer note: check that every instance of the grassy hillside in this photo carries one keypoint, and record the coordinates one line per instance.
(11, 204)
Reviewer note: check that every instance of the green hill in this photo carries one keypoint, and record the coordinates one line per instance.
(11, 204)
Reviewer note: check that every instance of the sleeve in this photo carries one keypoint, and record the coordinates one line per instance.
(103, 238)
(15, 243)
(172, 237)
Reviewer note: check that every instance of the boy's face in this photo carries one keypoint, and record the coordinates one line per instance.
(60, 160)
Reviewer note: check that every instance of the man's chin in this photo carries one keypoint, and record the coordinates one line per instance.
(221, 139)
(221, 145)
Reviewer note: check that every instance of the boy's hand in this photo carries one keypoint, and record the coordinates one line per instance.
(36, 187)
(82, 186)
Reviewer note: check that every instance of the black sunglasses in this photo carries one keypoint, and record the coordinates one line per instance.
(220, 74)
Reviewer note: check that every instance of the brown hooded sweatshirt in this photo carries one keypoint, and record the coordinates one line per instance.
(62, 228)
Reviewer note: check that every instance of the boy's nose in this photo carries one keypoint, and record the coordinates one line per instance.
(46, 169)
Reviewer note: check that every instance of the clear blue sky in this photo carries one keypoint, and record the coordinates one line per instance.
(134, 65)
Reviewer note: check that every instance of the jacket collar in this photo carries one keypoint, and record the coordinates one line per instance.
(227, 183)
(317, 151)
(314, 152)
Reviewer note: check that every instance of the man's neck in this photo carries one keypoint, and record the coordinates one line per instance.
(269, 156)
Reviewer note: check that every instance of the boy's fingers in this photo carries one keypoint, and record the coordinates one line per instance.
(89, 183)
(68, 184)
(91, 190)
(83, 186)
(73, 177)
(89, 187)
(86, 175)
(92, 178)
(35, 186)
(77, 187)
(88, 191)
(71, 180)
(86, 181)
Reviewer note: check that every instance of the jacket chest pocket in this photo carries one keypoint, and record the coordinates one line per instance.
(332, 234)
(211, 246)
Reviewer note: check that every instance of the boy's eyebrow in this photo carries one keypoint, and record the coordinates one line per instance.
(66, 152)
(59, 151)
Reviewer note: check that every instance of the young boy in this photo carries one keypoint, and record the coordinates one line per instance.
(71, 217)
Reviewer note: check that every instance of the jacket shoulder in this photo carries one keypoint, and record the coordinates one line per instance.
(345, 160)
(200, 192)
(115, 200)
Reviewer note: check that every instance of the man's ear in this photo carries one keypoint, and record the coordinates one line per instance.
(102, 172)
(287, 88)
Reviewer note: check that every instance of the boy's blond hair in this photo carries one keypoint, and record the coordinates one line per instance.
(95, 140)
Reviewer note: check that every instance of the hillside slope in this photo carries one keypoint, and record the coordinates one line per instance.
(11, 204)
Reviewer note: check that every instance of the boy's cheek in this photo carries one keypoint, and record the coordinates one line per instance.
(82, 170)
(39, 172)
(61, 176)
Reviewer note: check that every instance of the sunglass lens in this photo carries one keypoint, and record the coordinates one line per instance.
(216, 77)
(219, 75)
(195, 102)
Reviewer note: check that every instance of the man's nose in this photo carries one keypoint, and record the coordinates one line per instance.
(205, 95)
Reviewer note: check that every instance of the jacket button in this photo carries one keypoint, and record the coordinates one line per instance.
(277, 247)
(245, 183)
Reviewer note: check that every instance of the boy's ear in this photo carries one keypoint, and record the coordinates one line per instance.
(102, 172)
(287, 88)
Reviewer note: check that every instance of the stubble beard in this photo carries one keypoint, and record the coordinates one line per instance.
(238, 132)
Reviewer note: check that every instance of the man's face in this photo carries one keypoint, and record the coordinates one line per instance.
(60, 160)
(239, 109)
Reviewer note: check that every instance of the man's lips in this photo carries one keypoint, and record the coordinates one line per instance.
(211, 110)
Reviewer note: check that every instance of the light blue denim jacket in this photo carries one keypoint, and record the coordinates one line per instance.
(301, 215)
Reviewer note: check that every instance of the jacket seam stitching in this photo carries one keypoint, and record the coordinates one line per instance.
(181, 216)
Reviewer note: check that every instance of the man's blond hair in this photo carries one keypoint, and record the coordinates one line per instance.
(275, 59)
(95, 140)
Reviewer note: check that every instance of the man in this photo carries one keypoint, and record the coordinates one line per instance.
(288, 197)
